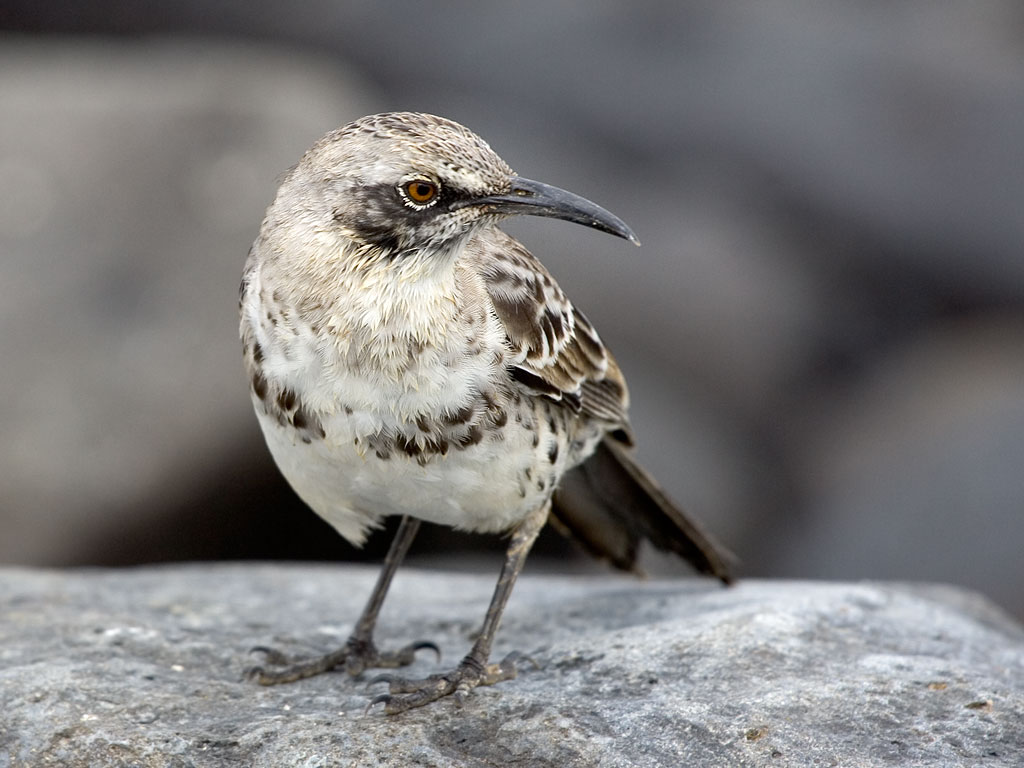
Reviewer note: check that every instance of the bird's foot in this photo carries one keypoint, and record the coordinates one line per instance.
(355, 656)
(405, 694)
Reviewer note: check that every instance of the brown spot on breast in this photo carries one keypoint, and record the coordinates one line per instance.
(409, 447)
(553, 452)
(423, 422)
(472, 437)
(257, 353)
(286, 400)
(461, 416)
(436, 445)
(259, 385)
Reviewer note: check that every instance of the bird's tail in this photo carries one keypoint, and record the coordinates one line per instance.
(608, 503)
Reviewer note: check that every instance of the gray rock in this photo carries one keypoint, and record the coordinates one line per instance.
(144, 668)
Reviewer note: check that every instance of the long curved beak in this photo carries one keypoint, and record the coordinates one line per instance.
(534, 198)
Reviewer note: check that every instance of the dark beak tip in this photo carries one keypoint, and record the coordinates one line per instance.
(624, 232)
(535, 198)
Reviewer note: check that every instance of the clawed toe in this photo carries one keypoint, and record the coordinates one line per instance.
(289, 673)
(421, 645)
(404, 656)
(271, 656)
(405, 694)
(356, 656)
(516, 656)
(384, 698)
(399, 684)
(382, 678)
(252, 674)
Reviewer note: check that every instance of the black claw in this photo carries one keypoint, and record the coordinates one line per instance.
(384, 698)
(516, 656)
(252, 673)
(420, 645)
(383, 678)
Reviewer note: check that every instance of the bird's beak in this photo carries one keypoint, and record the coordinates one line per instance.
(533, 198)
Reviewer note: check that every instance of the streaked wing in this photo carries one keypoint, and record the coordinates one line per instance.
(556, 351)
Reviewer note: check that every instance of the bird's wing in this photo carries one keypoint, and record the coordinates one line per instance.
(608, 503)
(556, 352)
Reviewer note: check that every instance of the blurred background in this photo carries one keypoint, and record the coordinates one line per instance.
(823, 331)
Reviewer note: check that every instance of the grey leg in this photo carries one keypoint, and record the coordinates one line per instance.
(359, 652)
(474, 669)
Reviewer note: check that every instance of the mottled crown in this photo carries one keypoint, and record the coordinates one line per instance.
(450, 148)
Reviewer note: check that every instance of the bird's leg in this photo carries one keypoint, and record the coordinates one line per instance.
(359, 652)
(474, 669)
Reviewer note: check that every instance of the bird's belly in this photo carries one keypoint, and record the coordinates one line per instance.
(488, 486)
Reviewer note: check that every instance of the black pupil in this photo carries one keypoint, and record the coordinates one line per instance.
(421, 190)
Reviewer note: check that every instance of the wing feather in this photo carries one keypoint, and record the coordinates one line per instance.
(556, 352)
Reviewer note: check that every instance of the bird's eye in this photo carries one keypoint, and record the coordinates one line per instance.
(420, 191)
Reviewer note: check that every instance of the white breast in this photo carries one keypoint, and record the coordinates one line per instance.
(368, 362)
(479, 489)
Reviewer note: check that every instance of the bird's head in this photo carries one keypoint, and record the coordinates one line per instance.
(402, 182)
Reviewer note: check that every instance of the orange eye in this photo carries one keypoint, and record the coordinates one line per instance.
(420, 191)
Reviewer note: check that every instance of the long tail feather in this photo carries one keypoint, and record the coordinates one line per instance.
(609, 503)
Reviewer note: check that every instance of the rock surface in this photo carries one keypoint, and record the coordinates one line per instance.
(144, 668)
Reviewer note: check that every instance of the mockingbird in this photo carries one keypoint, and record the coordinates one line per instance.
(407, 357)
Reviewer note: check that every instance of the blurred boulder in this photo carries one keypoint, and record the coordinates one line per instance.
(132, 180)
(919, 470)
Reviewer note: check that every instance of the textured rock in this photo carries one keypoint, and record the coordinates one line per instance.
(143, 668)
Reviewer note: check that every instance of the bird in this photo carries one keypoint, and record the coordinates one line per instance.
(406, 357)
